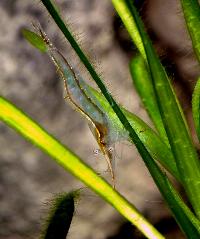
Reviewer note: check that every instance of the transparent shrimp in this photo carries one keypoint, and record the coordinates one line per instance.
(76, 94)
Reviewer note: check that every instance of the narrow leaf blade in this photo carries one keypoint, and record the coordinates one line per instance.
(142, 82)
(196, 107)
(35, 40)
(191, 10)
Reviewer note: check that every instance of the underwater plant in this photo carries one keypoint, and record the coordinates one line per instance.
(171, 145)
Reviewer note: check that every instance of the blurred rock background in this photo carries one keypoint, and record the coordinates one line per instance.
(28, 178)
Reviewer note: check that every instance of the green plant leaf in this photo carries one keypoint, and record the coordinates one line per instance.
(130, 25)
(142, 82)
(182, 147)
(191, 10)
(196, 107)
(60, 216)
(68, 160)
(29, 129)
(35, 40)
